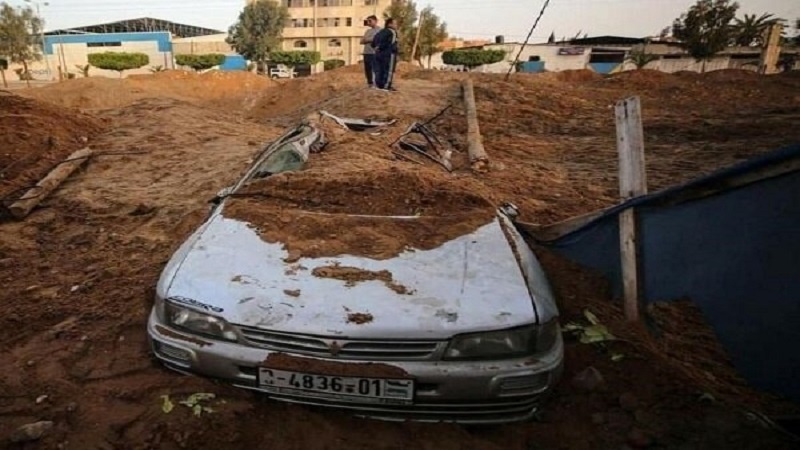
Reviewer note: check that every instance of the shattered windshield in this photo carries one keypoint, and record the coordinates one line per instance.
(285, 159)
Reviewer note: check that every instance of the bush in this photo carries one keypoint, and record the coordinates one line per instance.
(200, 62)
(472, 58)
(118, 61)
(331, 64)
(295, 58)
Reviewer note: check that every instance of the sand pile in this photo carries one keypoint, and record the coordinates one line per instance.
(35, 135)
(317, 214)
(219, 89)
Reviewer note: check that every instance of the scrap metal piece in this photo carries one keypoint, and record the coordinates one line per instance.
(358, 124)
(433, 148)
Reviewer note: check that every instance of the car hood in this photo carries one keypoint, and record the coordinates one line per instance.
(471, 283)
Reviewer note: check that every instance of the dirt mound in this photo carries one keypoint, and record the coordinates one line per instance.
(577, 75)
(219, 89)
(730, 75)
(34, 136)
(382, 192)
(351, 213)
(643, 78)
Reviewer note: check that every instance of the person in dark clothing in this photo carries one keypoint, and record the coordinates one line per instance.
(385, 44)
(369, 51)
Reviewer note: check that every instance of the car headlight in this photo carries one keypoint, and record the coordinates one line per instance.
(197, 322)
(505, 344)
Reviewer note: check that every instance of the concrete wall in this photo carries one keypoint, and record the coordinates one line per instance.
(200, 45)
(733, 253)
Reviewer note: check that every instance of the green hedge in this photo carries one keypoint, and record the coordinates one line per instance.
(118, 61)
(472, 58)
(200, 62)
(295, 58)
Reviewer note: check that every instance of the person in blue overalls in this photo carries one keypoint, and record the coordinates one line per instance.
(385, 44)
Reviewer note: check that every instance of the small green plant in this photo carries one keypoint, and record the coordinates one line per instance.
(118, 61)
(200, 62)
(640, 59)
(472, 58)
(84, 70)
(331, 64)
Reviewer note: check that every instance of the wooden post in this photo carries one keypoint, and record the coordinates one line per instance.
(771, 52)
(3, 74)
(632, 183)
(477, 154)
(48, 184)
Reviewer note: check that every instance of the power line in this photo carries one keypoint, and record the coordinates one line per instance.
(530, 33)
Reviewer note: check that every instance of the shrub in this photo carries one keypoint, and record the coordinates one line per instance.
(473, 58)
(295, 58)
(200, 62)
(118, 61)
(331, 64)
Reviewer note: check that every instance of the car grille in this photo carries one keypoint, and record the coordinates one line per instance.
(501, 410)
(385, 350)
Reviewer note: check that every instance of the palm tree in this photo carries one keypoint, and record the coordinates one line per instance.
(641, 58)
(750, 30)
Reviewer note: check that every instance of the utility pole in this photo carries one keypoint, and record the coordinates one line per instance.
(416, 39)
(771, 51)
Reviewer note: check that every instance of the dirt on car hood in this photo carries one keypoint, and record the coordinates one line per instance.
(470, 283)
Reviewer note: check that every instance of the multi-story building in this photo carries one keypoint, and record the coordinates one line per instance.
(332, 27)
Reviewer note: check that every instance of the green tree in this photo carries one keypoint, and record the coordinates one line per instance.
(295, 58)
(331, 64)
(706, 28)
(432, 33)
(20, 30)
(118, 61)
(640, 58)
(750, 30)
(473, 58)
(200, 62)
(405, 15)
(258, 31)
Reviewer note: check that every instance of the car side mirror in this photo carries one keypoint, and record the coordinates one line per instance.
(217, 199)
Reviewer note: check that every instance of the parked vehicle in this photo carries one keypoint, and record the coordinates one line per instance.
(282, 72)
(477, 341)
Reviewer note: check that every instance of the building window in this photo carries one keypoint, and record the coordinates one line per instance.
(104, 44)
(297, 3)
(349, 21)
(335, 22)
(370, 2)
(534, 59)
(301, 23)
(334, 43)
(300, 44)
(335, 2)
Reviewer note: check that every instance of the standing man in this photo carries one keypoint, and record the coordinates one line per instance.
(369, 51)
(385, 43)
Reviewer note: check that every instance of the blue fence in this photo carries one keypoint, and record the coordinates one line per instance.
(735, 253)
(162, 38)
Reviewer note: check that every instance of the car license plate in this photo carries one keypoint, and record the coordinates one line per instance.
(349, 389)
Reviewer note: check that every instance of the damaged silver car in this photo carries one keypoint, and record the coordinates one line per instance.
(472, 336)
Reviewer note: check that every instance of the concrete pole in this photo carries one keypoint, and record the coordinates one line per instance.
(771, 51)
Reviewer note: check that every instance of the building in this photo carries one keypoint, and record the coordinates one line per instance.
(609, 54)
(331, 27)
(68, 50)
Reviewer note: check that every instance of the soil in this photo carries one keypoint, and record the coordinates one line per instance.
(78, 274)
(359, 318)
(34, 137)
(282, 361)
(353, 275)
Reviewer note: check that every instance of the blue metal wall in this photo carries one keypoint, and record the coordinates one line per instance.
(603, 68)
(736, 254)
(162, 38)
(234, 62)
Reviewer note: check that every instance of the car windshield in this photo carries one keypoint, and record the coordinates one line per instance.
(285, 159)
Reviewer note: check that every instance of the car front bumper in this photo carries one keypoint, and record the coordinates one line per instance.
(470, 392)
